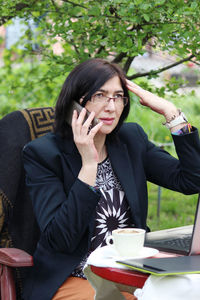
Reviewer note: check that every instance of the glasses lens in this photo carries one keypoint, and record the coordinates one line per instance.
(99, 98)
(104, 100)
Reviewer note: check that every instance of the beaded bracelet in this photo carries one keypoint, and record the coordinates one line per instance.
(186, 129)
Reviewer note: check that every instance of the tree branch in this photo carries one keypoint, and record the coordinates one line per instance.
(75, 4)
(119, 57)
(131, 58)
(155, 72)
(101, 48)
(75, 47)
(17, 8)
(196, 63)
(55, 6)
(128, 63)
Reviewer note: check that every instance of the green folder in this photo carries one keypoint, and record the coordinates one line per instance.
(164, 266)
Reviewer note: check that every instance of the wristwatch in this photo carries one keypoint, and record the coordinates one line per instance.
(178, 120)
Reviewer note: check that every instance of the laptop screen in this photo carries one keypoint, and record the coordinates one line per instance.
(195, 243)
(184, 240)
(169, 209)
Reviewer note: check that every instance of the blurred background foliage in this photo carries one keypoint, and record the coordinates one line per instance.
(33, 69)
(63, 33)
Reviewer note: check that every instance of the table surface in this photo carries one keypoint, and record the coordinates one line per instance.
(130, 277)
(122, 276)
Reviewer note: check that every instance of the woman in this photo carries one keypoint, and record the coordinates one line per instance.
(85, 181)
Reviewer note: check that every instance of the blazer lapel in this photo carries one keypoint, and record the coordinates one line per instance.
(71, 154)
(121, 164)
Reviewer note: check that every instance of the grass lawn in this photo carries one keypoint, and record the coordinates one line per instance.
(176, 209)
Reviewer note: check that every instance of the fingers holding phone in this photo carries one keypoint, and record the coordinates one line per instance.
(76, 106)
(84, 136)
(81, 122)
(84, 122)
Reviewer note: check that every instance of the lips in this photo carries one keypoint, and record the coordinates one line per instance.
(107, 121)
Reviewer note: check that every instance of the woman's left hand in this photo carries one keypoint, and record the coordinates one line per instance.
(155, 103)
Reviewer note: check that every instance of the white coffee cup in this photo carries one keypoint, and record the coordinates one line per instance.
(127, 242)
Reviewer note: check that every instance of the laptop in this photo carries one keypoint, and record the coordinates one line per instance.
(181, 240)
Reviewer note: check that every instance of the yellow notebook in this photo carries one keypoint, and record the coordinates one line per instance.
(165, 266)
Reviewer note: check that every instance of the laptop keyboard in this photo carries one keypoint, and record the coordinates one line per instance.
(176, 243)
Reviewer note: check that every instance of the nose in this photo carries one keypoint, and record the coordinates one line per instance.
(110, 105)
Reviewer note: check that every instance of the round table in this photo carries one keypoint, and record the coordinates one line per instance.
(121, 276)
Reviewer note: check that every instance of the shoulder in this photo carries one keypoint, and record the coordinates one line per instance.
(45, 150)
(132, 131)
(45, 153)
(44, 144)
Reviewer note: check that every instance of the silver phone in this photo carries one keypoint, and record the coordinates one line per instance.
(76, 106)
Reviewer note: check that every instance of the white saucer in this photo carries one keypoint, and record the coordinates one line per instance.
(107, 256)
(110, 252)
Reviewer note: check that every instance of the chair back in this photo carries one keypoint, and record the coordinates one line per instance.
(18, 227)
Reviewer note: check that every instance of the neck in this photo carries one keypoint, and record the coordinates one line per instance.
(99, 142)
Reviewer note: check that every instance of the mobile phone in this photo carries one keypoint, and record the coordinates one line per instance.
(76, 106)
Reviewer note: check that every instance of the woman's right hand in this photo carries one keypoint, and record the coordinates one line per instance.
(84, 140)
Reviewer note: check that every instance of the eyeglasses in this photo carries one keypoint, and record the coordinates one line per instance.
(104, 100)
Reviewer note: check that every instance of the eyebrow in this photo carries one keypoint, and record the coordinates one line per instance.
(118, 91)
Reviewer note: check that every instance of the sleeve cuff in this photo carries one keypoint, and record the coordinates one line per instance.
(185, 130)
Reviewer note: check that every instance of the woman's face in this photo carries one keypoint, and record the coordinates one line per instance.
(108, 112)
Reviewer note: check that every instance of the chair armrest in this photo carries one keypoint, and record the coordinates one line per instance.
(13, 257)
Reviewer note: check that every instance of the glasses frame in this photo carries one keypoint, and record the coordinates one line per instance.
(125, 100)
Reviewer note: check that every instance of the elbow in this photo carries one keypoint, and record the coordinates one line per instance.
(190, 184)
(57, 242)
(65, 242)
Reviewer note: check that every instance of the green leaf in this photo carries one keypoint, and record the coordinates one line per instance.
(146, 17)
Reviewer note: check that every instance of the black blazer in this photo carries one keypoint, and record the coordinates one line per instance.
(65, 207)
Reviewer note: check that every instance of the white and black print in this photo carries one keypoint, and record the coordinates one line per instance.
(112, 211)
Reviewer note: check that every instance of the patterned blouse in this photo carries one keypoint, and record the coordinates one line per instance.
(112, 211)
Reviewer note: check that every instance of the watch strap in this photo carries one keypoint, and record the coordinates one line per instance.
(181, 118)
